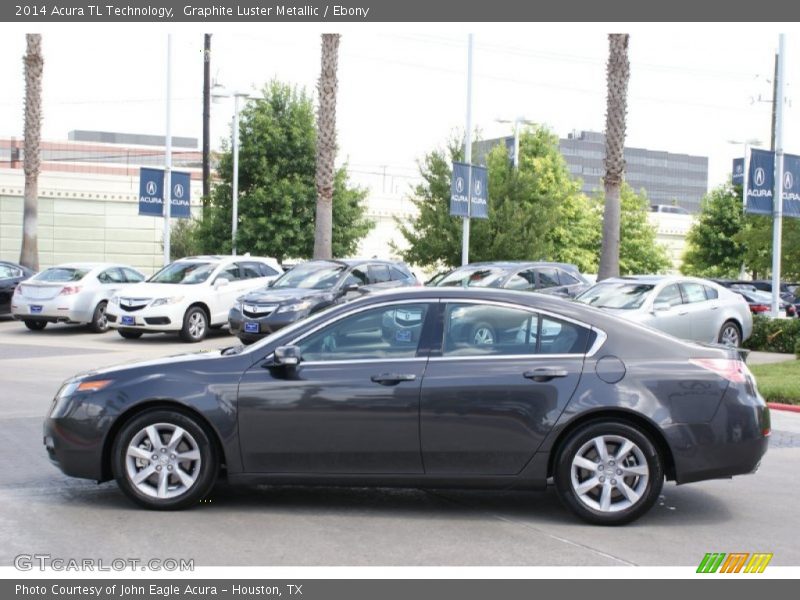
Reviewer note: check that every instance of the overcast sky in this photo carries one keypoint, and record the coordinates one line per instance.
(402, 88)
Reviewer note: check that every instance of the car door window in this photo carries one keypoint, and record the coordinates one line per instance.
(357, 276)
(388, 332)
(378, 274)
(266, 270)
(251, 270)
(132, 276)
(670, 295)
(479, 329)
(111, 276)
(231, 273)
(522, 281)
(693, 292)
(567, 279)
(548, 278)
(711, 293)
(7, 272)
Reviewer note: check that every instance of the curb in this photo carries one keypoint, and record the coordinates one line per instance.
(786, 407)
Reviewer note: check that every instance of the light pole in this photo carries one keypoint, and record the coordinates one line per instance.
(167, 191)
(218, 92)
(517, 122)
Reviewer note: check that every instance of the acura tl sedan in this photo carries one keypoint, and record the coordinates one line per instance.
(606, 408)
(686, 307)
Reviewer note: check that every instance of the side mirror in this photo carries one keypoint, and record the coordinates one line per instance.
(287, 356)
(270, 283)
(350, 287)
(661, 306)
(220, 283)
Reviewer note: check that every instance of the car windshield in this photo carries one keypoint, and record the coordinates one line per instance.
(314, 277)
(473, 277)
(184, 273)
(61, 274)
(623, 295)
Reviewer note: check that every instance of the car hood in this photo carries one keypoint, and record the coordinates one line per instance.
(156, 290)
(278, 296)
(157, 364)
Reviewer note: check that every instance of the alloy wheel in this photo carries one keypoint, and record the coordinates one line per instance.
(729, 335)
(163, 461)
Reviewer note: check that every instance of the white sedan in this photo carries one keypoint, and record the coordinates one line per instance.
(71, 293)
(189, 296)
(685, 307)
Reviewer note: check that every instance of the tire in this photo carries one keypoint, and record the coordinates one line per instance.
(99, 322)
(169, 484)
(35, 325)
(607, 503)
(130, 335)
(730, 334)
(195, 325)
(482, 334)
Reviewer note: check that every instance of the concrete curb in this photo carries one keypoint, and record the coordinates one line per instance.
(786, 407)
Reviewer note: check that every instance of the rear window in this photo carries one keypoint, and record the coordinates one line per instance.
(61, 274)
(473, 277)
(398, 274)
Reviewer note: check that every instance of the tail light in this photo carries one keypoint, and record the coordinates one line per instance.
(759, 308)
(69, 290)
(732, 369)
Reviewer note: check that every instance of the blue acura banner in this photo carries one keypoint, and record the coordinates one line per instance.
(760, 182)
(151, 193)
(737, 174)
(466, 202)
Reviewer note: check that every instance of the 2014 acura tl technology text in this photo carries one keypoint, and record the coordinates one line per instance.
(431, 387)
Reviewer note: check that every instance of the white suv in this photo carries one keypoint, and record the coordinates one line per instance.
(189, 295)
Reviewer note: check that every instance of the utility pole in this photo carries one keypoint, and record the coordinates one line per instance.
(777, 198)
(206, 119)
(167, 191)
(468, 156)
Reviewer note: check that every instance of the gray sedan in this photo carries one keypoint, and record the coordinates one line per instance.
(686, 307)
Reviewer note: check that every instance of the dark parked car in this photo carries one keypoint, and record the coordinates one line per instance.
(760, 303)
(786, 289)
(605, 407)
(311, 287)
(551, 278)
(10, 275)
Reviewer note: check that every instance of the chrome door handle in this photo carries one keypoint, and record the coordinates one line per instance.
(392, 378)
(545, 373)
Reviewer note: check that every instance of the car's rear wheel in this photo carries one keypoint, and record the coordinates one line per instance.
(195, 325)
(608, 473)
(35, 325)
(730, 334)
(164, 460)
(130, 335)
(99, 322)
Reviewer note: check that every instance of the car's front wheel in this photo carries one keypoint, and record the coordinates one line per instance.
(608, 472)
(195, 325)
(164, 460)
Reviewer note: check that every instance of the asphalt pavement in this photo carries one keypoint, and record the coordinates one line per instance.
(46, 512)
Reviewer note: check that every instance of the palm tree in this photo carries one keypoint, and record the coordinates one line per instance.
(326, 145)
(618, 74)
(34, 64)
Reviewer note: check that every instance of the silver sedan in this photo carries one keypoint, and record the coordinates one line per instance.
(685, 307)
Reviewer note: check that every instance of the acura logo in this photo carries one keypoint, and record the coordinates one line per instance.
(760, 177)
(739, 169)
(460, 185)
(788, 180)
(478, 188)
(178, 190)
(151, 188)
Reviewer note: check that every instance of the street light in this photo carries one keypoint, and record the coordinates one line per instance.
(218, 92)
(516, 122)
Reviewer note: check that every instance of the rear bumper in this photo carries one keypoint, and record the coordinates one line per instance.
(50, 311)
(732, 443)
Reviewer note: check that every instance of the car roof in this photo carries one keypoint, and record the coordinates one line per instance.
(89, 265)
(352, 262)
(516, 264)
(656, 279)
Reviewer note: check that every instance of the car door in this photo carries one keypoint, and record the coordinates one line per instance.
(223, 296)
(548, 280)
(670, 314)
(9, 277)
(379, 277)
(350, 407)
(702, 313)
(502, 376)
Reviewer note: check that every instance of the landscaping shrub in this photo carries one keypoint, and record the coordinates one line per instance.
(774, 335)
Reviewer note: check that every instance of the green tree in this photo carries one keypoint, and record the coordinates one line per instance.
(277, 191)
(756, 238)
(714, 247)
(536, 212)
(639, 252)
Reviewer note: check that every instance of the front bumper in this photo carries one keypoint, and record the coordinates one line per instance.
(167, 317)
(250, 329)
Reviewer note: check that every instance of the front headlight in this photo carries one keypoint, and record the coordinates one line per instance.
(163, 301)
(296, 307)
